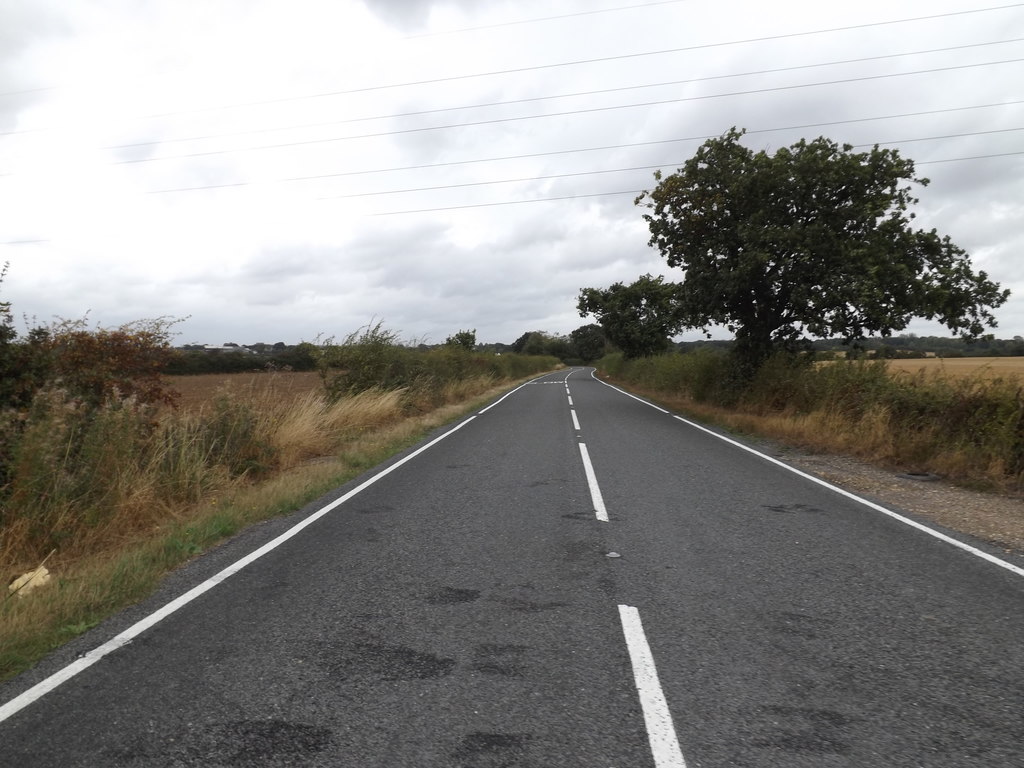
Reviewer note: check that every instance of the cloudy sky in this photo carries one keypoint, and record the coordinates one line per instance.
(278, 170)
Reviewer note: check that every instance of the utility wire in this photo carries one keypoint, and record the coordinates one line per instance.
(624, 192)
(973, 157)
(511, 202)
(478, 123)
(544, 18)
(460, 108)
(621, 57)
(676, 163)
(500, 181)
(540, 67)
(937, 138)
(641, 143)
(605, 148)
(571, 197)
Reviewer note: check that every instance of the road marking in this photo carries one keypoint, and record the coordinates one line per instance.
(877, 507)
(1015, 569)
(595, 490)
(575, 421)
(627, 394)
(660, 731)
(570, 399)
(43, 687)
(513, 391)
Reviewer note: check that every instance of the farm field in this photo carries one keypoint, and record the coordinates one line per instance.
(199, 390)
(962, 366)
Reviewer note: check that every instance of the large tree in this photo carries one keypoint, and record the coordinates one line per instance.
(815, 240)
(638, 318)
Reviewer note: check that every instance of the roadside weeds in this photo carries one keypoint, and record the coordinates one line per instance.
(87, 588)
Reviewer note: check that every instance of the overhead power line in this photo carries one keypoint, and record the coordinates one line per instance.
(645, 143)
(676, 163)
(579, 62)
(972, 157)
(534, 99)
(545, 18)
(591, 110)
(621, 57)
(605, 148)
(624, 192)
(511, 202)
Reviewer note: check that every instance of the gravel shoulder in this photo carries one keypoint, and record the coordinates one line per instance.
(991, 517)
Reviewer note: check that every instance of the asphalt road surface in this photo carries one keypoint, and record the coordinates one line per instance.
(570, 577)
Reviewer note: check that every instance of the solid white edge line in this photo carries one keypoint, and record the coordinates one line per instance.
(595, 490)
(593, 375)
(870, 504)
(575, 421)
(43, 687)
(661, 732)
(1015, 569)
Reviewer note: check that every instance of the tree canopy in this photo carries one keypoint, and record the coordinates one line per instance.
(462, 340)
(588, 342)
(638, 318)
(815, 239)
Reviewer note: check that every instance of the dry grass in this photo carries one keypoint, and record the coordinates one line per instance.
(310, 426)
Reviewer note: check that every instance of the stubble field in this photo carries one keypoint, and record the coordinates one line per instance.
(962, 366)
(197, 391)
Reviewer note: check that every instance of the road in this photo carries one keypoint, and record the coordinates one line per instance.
(570, 577)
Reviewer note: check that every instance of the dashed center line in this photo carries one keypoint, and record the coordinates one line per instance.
(661, 732)
(595, 490)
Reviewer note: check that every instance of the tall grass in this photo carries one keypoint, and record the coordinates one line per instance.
(970, 429)
(82, 479)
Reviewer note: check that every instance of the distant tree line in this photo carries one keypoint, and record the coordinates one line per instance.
(584, 345)
(234, 358)
(904, 346)
(911, 346)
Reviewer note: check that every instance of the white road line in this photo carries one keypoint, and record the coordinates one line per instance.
(575, 421)
(660, 731)
(1015, 569)
(877, 507)
(595, 490)
(513, 391)
(43, 687)
(627, 394)
(570, 399)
